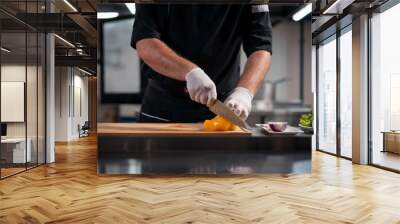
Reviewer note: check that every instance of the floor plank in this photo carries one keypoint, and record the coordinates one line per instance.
(69, 191)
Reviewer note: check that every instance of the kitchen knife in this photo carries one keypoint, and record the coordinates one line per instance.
(222, 110)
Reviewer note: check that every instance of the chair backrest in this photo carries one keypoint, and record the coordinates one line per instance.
(86, 125)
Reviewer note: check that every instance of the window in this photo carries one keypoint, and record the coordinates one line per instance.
(327, 97)
(334, 106)
(346, 93)
(385, 89)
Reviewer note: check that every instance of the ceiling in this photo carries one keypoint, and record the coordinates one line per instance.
(77, 22)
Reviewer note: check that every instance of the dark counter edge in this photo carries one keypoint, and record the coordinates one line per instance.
(203, 155)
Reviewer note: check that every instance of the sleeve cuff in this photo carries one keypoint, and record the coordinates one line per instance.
(137, 37)
(259, 48)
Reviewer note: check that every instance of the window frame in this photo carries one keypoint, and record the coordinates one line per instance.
(333, 37)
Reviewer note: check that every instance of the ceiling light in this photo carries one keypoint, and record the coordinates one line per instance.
(65, 41)
(107, 15)
(84, 71)
(337, 6)
(303, 12)
(131, 7)
(5, 50)
(70, 5)
(79, 51)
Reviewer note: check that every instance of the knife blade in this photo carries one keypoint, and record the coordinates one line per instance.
(222, 110)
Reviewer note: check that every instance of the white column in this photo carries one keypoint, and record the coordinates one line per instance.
(50, 92)
(50, 98)
(360, 90)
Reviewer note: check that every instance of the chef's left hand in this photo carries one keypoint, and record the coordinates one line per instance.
(240, 102)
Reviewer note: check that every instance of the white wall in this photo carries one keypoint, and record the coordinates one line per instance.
(71, 94)
(80, 111)
(14, 73)
(17, 73)
(62, 82)
(286, 62)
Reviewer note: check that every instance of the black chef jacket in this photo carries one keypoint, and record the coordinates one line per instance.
(208, 35)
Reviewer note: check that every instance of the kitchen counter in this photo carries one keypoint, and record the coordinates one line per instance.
(254, 153)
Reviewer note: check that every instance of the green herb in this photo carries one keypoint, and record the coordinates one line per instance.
(306, 120)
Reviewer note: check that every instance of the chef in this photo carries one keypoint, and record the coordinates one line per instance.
(191, 56)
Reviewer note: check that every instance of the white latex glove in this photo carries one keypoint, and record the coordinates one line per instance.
(200, 87)
(240, 102)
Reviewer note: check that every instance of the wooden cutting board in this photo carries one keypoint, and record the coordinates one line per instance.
(161, 129)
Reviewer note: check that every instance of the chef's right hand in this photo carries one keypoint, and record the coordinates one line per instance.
(200, 87)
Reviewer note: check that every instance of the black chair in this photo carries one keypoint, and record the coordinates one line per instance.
(84, 130)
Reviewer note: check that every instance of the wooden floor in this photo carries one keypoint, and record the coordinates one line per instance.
(5, 172)
(69, 191)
